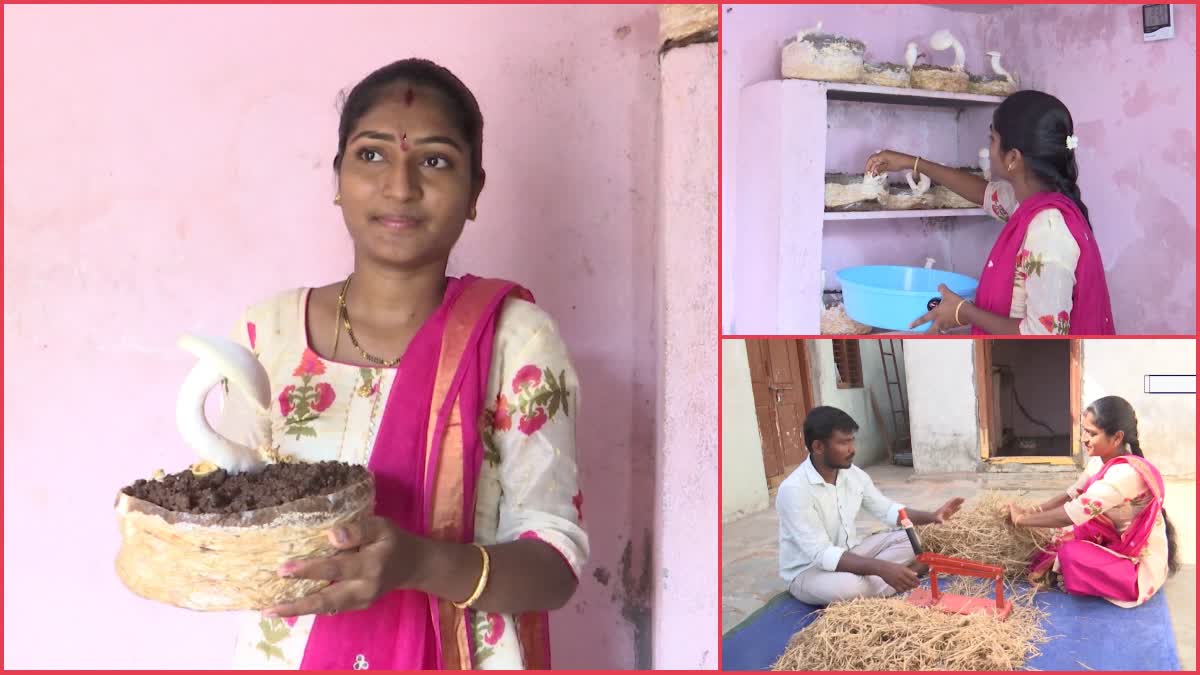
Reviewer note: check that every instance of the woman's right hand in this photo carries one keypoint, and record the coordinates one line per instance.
(1014, 512)
(886, 161)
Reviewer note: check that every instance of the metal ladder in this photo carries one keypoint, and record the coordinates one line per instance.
(902, 440)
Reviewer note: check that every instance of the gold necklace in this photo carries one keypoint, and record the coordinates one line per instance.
(344, 315)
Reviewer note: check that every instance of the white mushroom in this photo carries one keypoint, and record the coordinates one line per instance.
(807, 31)
(999, 70)
(920, 188)
(911, 54)
(874, 185)
(985, 163)
(943, 40)
(220, 360)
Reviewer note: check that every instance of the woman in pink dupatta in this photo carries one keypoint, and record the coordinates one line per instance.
(1117, 543)
(1044, 274)
(457, 393)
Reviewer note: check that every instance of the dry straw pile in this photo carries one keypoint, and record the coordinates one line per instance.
(890, 634)
(981, 533)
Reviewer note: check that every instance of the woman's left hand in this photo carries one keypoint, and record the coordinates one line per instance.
(1014, 514)
(942, 316)
(375, 557)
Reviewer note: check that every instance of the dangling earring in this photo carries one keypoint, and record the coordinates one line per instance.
(472, 215)
(337, 199)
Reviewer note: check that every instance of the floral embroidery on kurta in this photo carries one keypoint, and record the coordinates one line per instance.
(1044, 278)
(487, 628)
(1059, 325)
(300, 405)
(274, 631)
(540, 395)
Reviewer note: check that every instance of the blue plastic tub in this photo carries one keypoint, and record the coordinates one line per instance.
(892, 297)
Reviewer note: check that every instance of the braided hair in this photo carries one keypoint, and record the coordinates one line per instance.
(1038, 125)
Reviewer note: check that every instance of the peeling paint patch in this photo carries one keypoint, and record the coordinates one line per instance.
(602, 575)
(622, 32)
(634, 596)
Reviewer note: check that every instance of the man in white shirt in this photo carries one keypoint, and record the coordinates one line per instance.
(820, 555)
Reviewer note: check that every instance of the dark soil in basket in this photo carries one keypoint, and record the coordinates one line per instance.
(823, 40)
(929, 66)
(885, 67)
(220, 492)
(980, 79)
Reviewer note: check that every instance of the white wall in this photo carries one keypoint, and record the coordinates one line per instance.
(1166, 422)
(942, 405)
(743, 475)
(870, 441)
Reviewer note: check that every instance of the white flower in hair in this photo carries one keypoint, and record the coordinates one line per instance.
(1072, 142)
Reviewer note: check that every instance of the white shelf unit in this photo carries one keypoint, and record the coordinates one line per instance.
(911, 213)
(869, 93)
(784, 138)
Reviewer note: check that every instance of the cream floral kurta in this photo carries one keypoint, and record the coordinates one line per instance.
(1045, 275)
(325, 410)
(1121, 495)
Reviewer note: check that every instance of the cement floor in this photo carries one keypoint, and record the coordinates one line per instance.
(749, 563)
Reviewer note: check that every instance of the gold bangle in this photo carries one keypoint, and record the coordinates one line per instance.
(956, 319)
(483, 579)
(916, 163)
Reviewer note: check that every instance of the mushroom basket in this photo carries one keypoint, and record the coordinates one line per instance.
(212, 537)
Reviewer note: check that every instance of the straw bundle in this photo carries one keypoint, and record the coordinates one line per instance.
(943, 197)
(886, 75)
(890, 634)
(991, 85)
(981, 533)
(835, 321)
(939, 78)
(820, 56)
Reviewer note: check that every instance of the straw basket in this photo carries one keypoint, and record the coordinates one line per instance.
(886, 75)
(828, 58)
(937, 78)
(993, 85)
(213, 562)
(846, 192)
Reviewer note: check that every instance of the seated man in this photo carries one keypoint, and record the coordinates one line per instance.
(820, 555)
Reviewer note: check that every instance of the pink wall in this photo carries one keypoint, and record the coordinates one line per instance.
(1089, 56)
(165, 166)
(753, 36)
(685, 537)
(1134, 105)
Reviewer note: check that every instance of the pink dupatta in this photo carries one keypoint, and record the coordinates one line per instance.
(1094, 570)
(426, 464)
(1091, 309)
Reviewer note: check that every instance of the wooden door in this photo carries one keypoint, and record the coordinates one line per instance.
(780, 379)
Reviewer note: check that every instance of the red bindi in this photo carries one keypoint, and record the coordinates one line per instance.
(409, 96)
(404, 143)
